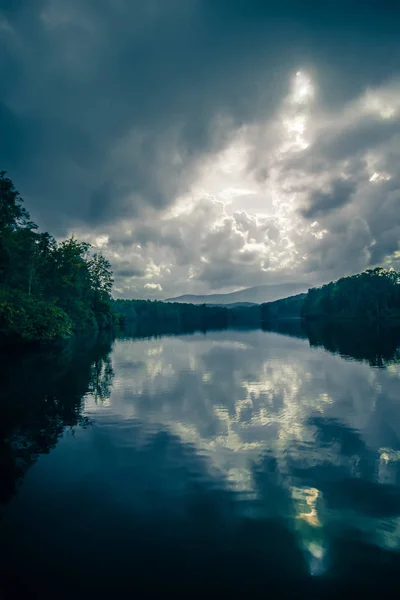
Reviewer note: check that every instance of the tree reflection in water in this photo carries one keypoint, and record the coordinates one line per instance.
(42, 393)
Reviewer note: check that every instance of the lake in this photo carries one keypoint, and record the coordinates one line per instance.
(228, 461)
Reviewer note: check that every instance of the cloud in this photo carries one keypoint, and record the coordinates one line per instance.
(325, 202)
(127, 270)
(202, 247)
(315, 216)
(212, 147)
(114, 102)
(153, 286)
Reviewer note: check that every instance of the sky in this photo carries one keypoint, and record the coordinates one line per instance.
(207, 145)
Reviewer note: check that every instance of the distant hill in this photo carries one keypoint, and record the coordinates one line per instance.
(253, 295)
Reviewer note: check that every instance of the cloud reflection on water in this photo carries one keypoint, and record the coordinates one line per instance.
(296, 432)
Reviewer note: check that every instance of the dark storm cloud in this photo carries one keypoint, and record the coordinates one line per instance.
(322, 203)
(107, 105)
(128, 270)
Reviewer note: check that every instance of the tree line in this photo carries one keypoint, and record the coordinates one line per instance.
(146, 317)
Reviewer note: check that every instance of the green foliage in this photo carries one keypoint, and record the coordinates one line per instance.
(13, 215)
(48, 290)
(373, 295)
(29, 318)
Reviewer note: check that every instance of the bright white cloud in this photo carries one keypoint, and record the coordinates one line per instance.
(307, 194)
(153, 286)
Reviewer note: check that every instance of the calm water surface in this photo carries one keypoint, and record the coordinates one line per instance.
(226, 461)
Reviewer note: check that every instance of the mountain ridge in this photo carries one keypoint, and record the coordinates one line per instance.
(254, 295)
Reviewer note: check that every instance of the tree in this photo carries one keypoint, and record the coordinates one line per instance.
(101, 276)
(12, 214)
(17, 237)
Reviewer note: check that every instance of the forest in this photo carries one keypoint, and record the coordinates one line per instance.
(48, 290)
(373, 295)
